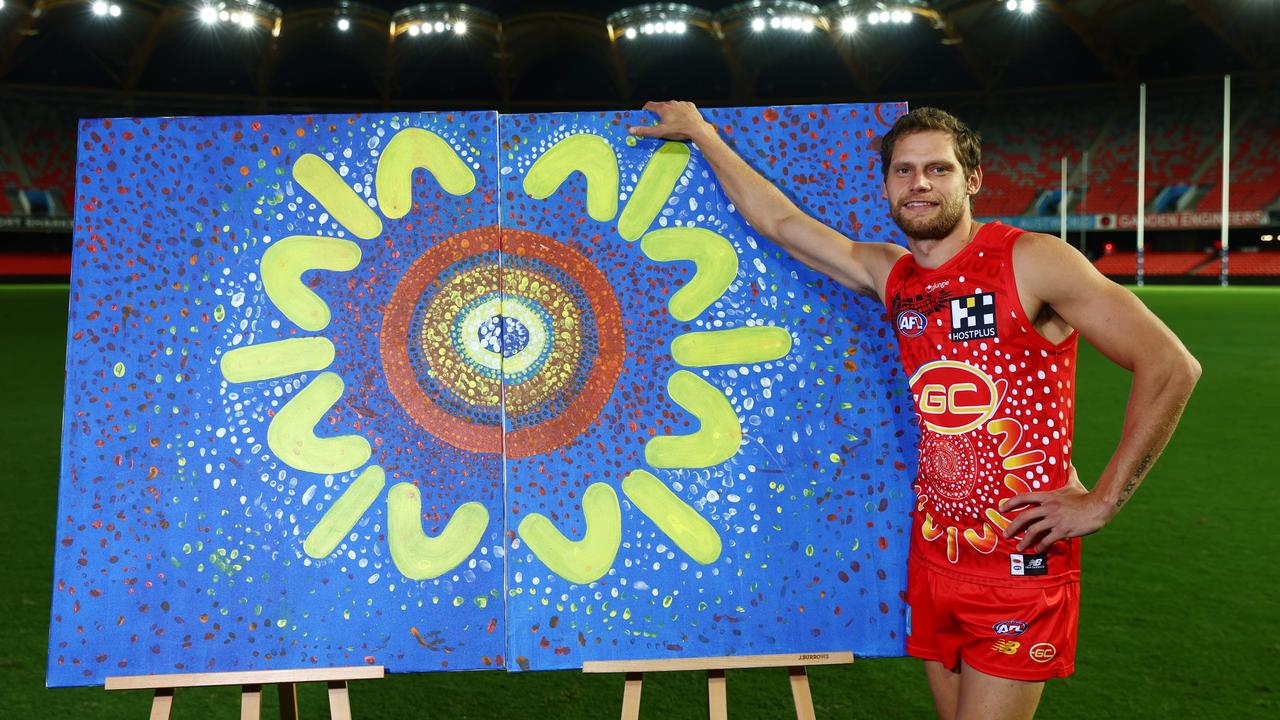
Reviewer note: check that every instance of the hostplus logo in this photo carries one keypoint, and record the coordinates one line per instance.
(973, 317)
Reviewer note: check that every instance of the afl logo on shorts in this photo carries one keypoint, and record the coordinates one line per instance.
(1043, 652)
(910, 323)
(1009, 627)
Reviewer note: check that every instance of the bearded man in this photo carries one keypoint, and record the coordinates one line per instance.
(987, 317)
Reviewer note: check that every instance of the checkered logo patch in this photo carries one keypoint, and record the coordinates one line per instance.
(973, 317)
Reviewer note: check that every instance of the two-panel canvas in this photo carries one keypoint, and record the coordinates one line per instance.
(461, 391)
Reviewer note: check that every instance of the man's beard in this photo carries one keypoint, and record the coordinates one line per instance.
(949, 214)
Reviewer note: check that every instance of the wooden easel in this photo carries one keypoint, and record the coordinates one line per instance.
(251, 683)
(717, 694)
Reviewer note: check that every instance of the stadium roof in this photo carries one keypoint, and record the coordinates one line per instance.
(567, 53)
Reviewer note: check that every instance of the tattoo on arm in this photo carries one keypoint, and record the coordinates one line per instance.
(1136, 478)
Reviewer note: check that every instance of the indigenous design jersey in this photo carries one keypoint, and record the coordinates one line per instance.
(995, 402)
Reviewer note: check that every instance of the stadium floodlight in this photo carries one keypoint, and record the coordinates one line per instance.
(875, 12)
(102, 8)
(247, 14)
(849, 16)
(656, 19)
(441, 18)
(787, 16)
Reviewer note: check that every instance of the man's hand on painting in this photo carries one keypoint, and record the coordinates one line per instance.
(677, 120)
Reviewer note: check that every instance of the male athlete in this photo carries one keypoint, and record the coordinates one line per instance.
(987, 319)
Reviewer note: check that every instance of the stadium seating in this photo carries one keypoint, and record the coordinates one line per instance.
(1024, 140)
(45, 139)
(1255, 165)
(1154, 263)
(1247, 263)
(1023, 149)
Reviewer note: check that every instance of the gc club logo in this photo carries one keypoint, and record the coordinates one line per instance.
(910, 323)
(1043, 652)
(953, 397)
(1010, 627)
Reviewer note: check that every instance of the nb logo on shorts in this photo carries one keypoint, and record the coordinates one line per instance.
(1007, 647)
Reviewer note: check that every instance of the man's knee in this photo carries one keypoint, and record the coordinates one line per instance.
(987, 697)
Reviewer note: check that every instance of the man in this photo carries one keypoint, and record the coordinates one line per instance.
(987, 319)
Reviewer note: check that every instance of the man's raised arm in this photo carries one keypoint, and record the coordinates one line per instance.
(863, 267)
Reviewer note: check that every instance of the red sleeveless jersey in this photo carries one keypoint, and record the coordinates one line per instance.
(995, 401)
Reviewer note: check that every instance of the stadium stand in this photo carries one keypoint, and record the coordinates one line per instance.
(1155, 263)
(1257, 263)
(1023, 147)
(1181, 134)
(10, 177)
(8, 184)
(1024, 139)
(1023, 151)
(1255, 163)
(45, 136)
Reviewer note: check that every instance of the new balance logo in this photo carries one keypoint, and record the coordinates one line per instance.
(973, 317)
(1007, 647)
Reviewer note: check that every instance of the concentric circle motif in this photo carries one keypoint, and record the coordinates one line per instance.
(545, 331)
(951, 464)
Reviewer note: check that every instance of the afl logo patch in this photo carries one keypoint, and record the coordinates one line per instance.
(910, 323)
(1010, 627)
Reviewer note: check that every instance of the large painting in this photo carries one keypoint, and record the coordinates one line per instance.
(459, 391)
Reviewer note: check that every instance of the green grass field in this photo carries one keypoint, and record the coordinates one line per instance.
(1180, 594)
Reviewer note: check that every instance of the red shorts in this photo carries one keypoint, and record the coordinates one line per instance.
(1019, 633)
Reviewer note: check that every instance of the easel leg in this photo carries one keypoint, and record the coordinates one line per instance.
(800, 693)
(339, 701)
(162, 704)
(717, 695)
(251, 702)
(631, 696)
(288, 700)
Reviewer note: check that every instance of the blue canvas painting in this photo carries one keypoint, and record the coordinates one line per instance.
(447, 391)
(741, 487)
